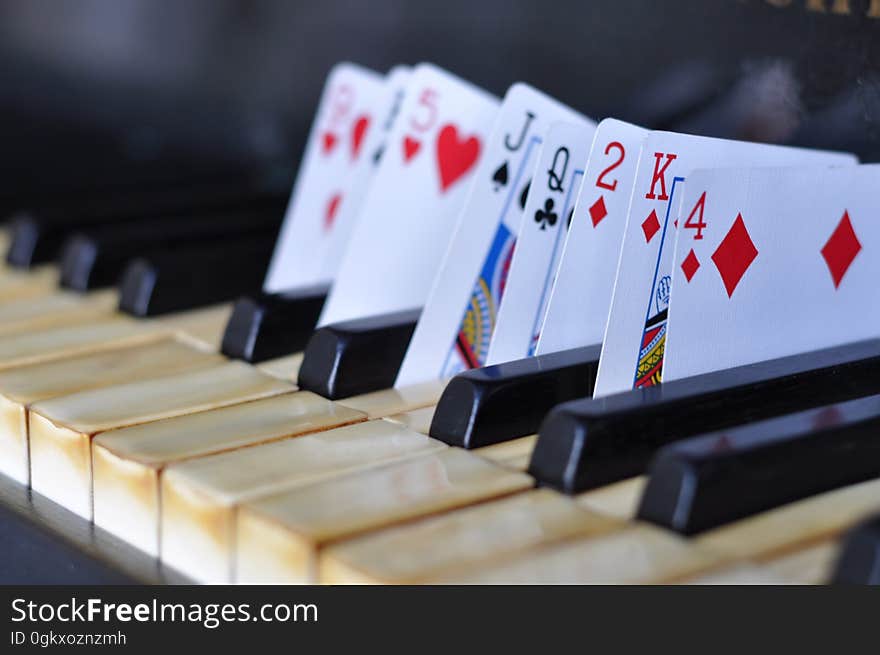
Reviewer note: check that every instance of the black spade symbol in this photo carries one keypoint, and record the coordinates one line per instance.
(500, 176)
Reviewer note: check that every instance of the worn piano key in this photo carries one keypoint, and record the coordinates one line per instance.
(205, 325)
(618, 499)
(488, 405)
(698, 484)
(20, 387)
(787, 529)
(280, 538)
(740, 574)
(638, 554)
(589, 443)
(127, 463)
(379, 404)
(96, 258)
(199, 498)
(65, 341)
(464, 539)
(416, 419)
(16, 285)
(270, 325)
(512, 454)
(356, 357)
(185, 278)
(859, 560)
(54, 309)
(62, 429)
(284, 368)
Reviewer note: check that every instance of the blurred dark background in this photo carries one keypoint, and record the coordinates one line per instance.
(94, 89)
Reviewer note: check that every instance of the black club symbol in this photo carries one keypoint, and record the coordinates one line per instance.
(546, 216)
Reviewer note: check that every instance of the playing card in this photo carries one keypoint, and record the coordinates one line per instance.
(456, 325)
(334, 167)
(544, 224)
(635, 336)
(787, 262)
(409, 212)
(581, 296)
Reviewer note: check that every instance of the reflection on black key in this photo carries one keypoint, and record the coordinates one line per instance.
(38, 234)
(270, 325)
(96, 258)
(492, 404)
(354, 357)
(707, 481)
(859, 561)
(588, 443)
(187, 278)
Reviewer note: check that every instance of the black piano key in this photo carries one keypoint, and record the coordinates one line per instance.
(187, 278)
(354, 357)
(97, 257)
(37, 234)
(859, 560)
(270, 325)
(587, 443)
(492, 404)
(707, 481)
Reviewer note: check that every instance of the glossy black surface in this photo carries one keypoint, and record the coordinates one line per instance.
(588, 443)
(354, 357)
(97, 257)
(38, 233)
(188, 278)
(492, 404)
(859, 560)
(269, 325)
(707, 481)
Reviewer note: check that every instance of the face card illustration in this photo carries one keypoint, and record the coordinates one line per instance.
(581, 296)
(635, 336)
(408, 215)
(456, 325)
(787, 264)
(543, 228)
(333, 165)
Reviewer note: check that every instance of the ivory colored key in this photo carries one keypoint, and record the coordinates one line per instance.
(285, 368)
(812, 565)
(199, 497)
(740, 573)
(640, 554)
(62, 429)
(379, 404)
(22, 386)
(280, 538)
(620, 499)
(128, 463)
(55, 309)
(416, 419)
(206, 324)
(465, 539)
(16, 285)
(66, 341)
(513, 454)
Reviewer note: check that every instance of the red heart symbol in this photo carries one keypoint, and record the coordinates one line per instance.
(410, 148)
(330, 212)
(328, 140)
(358, 131)
(455, 156)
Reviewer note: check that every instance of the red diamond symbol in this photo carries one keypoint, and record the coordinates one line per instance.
(841, 249)
(734, 255)
(651, 226)
(690, 265)
(598, 211)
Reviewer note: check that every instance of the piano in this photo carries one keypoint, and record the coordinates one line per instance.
(166, 421)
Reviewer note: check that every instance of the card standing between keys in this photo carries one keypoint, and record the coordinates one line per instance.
(581, 296)
(335, 158)
(456, 325)
(635, 336)
(787, 261)
(542, 233)
(408, 215)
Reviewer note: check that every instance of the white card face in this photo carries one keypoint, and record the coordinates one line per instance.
(455, 328)
(543, 228)
(581, 297)
(335, 161)
(635, 336)
(408, 215)
(787, 262)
